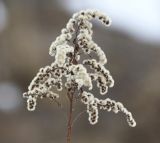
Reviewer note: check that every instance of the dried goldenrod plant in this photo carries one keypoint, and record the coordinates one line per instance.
(78, 74)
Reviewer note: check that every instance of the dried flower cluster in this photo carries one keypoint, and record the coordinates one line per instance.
(67, 65)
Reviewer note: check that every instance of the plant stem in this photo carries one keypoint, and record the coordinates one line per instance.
(70, 91)
(69, 125)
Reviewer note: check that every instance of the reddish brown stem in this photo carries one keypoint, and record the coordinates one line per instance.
(70, 91)
(69, 126)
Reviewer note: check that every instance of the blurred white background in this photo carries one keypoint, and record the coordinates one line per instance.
(139, 18)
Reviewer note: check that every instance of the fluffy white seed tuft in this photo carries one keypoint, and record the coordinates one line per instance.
(76, 40)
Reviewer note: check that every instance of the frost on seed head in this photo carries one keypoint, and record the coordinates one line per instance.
(68, 66)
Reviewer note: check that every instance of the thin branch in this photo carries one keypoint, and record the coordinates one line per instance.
(77, 117)
(69, 126)
(58, 103)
